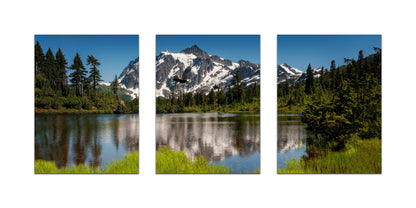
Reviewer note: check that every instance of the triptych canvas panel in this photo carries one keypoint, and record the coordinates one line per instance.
(208, 98)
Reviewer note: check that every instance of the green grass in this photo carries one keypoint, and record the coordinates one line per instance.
(129, 164)
(360, 156)
(169, 161)
(290, 109)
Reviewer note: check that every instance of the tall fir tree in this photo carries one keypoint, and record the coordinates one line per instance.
(95, 76)
(309, 85)
(39, 58)
(332, 72)
(50, 70)
(238, 88)
(39, 63)
(78, 74)
(115, 85)
(61, 66)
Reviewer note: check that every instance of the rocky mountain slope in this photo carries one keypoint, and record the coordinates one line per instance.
(285, 71)
(207, 71)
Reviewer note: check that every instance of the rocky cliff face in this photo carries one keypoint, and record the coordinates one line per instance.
(207, 71)
(129, 79)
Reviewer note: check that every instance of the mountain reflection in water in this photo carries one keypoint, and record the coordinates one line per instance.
(214, 136)
(291, 139)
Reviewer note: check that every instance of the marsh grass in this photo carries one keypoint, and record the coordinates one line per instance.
(360, 156)
(129, 164)
(169, 161)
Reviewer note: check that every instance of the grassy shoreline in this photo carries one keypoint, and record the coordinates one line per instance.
(290, 109)
(361, 156)
(170, 161)
(129, 164)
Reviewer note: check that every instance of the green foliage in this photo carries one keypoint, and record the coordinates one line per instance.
(54, 95)
(129, 164)
(360, 156)
(342, 102)
(95, 75)
(115, 85)
(217, 100)
(62, 78)
(309, 84)
(78, 74)
(169, 161)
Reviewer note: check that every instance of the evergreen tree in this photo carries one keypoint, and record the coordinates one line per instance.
(61, 65)
(332, 71)
(39, 58)
(78, 74)
(115, 85)
(86, 85)
(95, 76)
(50, 70)
(211, 97)
(238, 87)
(39, 63)
(309, 85)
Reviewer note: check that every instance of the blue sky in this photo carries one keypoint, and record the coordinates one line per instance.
(319, 50)
(233, 47)
(114, 52)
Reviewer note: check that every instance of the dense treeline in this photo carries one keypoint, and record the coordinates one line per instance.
(235, 98)
(53, 92)
(342, 102)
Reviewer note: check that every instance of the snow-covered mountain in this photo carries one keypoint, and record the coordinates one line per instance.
(129, 79)
(285, 71)
(207, 71)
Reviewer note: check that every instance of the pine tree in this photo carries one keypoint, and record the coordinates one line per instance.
(95, 76)
(238, 88)
(39, 63)
(78, 76)
(39, 58)
(86, 85)
(49, 69)
(332, 72)
(115, 85)
(309, 85)
(61, 65)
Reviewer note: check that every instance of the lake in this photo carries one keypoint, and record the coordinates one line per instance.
(226, 139)
(291, 138)
(94, 139)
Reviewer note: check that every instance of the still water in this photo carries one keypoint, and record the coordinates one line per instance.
(232, 140)
(85, 139)
(291, 139)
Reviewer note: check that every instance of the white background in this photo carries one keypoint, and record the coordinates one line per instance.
(21, 20)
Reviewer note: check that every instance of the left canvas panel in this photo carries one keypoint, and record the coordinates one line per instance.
(86, 103)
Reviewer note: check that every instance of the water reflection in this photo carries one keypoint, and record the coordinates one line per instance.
(214, 136)
(80, 139)
(291, 139)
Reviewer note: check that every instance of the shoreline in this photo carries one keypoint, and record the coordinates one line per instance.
(129, 164)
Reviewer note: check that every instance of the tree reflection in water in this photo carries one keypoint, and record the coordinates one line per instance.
(80, 139)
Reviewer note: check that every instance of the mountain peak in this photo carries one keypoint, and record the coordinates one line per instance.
(196, 51)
